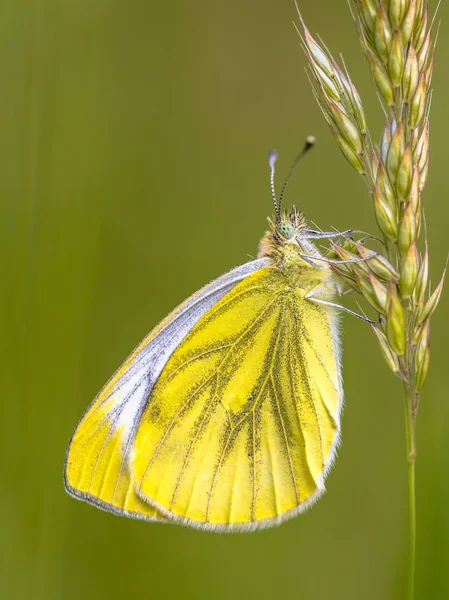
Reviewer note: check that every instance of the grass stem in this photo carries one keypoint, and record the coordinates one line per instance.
(411, 459)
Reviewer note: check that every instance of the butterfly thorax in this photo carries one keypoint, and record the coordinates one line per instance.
(289, 251)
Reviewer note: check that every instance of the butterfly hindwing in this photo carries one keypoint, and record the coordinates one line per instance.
(241, 426)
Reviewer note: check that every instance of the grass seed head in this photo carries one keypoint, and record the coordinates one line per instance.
(408, 24)
(418, 103)
(386, 215)
(422, 356)
(432, 302)
(395, 321)
(387, 352)
(382, 34)
(410, 76)
(409, 272)
(407, 230)
(395, 152)
(396, 59)
(422, 279)
(381, 79)
(405, 172)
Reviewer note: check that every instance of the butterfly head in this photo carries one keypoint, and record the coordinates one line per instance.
(287, 227)
(285, 232)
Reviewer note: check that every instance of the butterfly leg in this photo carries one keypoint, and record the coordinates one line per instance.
(313, 234)
(312, 296)
(316, 234)
(343, 308)
(331, 261)
(346, 292)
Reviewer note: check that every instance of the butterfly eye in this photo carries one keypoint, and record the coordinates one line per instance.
(285, 230)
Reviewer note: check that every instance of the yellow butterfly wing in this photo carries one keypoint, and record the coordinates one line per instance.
(242, 424)
(97, 461)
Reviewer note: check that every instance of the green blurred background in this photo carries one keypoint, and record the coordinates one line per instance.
(133, 147)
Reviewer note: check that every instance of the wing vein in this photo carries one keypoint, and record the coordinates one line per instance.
(331, 416)
(300, 328)
(217, 468)
(287, 446)
(298, 420)
(253, 503)
(273, 479)
(197, 357)
(107, 438)
(206, 412)
(319, 357)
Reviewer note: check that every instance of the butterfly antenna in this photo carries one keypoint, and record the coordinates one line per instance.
(310, 142)
(272, 157)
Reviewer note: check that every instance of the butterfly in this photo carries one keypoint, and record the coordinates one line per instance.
(227, 415)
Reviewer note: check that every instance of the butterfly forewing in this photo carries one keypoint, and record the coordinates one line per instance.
(97, 462)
